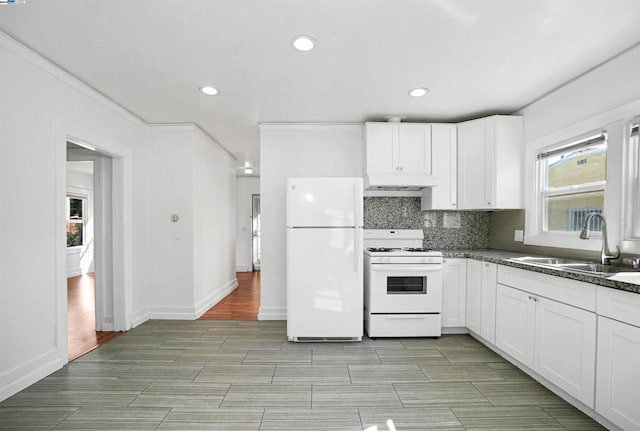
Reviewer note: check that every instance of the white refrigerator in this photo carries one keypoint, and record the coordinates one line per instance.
(324, 259)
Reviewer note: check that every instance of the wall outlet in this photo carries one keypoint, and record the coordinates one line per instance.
(430, 219)
(518, 235)
(451, 220)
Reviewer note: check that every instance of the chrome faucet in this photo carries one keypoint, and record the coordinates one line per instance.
(605, 254)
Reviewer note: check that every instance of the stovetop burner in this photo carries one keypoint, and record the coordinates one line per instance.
(416, 249)
(380, 249)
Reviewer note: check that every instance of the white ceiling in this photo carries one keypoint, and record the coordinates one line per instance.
(476, 56)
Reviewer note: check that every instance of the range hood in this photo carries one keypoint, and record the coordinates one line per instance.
(399, 182)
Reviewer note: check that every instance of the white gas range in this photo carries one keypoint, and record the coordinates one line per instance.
(403, 284)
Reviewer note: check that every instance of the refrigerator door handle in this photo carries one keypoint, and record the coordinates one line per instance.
(357, 200)
(357, 254)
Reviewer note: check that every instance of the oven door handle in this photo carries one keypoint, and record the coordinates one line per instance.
(430, 267)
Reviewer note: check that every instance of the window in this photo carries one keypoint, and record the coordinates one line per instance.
(632, 209)
(75, 221)
(572, 183)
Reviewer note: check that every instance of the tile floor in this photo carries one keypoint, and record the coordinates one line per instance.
(244, 375)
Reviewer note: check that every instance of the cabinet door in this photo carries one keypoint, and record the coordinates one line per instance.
(381, 142)
(474, 295)
(565, 348)
(475, 162)
(414, 149)
(444, 168)
(515, 323)
(618, 373)
(488, 300)
(454, 293)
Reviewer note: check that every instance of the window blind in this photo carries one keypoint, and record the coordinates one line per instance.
(574, 146)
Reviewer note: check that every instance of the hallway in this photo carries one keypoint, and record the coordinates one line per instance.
(242, 303)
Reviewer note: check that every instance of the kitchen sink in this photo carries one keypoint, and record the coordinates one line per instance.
(545, 261)
(572, 265)
(593, 268)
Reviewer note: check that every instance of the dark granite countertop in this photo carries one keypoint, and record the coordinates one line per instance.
(501, 257)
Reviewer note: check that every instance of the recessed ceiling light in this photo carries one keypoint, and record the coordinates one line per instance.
(209, 91)
(419, 92)
(303, 43)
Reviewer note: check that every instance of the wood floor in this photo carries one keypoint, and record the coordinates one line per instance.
(81, 310)
(242, 303)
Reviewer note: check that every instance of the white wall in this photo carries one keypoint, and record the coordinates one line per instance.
(39, 106)
(289, 151)
(602, 98)
(246, 187)
(603, 89)
(171, 283)
(214, 199)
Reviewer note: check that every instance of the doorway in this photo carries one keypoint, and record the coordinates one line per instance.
(90, 288)
(255, 232)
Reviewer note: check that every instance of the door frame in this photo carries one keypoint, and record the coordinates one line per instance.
(253, 237)
(121, 227)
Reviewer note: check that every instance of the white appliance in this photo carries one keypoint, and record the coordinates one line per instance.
(324, 259)
(403, 285)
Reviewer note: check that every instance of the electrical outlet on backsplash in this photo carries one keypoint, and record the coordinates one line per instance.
(443, 230)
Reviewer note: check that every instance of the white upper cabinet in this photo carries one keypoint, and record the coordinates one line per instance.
(398, 155)
(444, 168)
(490, 158)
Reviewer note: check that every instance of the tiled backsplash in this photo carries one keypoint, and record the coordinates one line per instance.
(443, 230)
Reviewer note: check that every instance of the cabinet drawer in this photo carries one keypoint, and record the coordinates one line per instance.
(619, 305)
(404, 325)
(572, 292)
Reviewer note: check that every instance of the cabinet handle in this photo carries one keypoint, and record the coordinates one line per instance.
(534, 298)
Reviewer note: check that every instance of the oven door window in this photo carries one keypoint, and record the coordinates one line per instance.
(406, 285)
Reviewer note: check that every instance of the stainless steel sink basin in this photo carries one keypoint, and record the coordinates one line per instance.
(536, 260)
(596, 268)
(572, 265)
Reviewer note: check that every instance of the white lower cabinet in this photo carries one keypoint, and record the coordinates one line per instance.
(555, 340)
(488, 298)
(481, 298)
(454, 293)
(515, 323)
(618, 373)
(565, 348)
(474, 295)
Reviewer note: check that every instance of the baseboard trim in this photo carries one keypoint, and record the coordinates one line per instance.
(272, 313)
(23, 376)
(455, 330)
(215, 297)
(140, 316)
